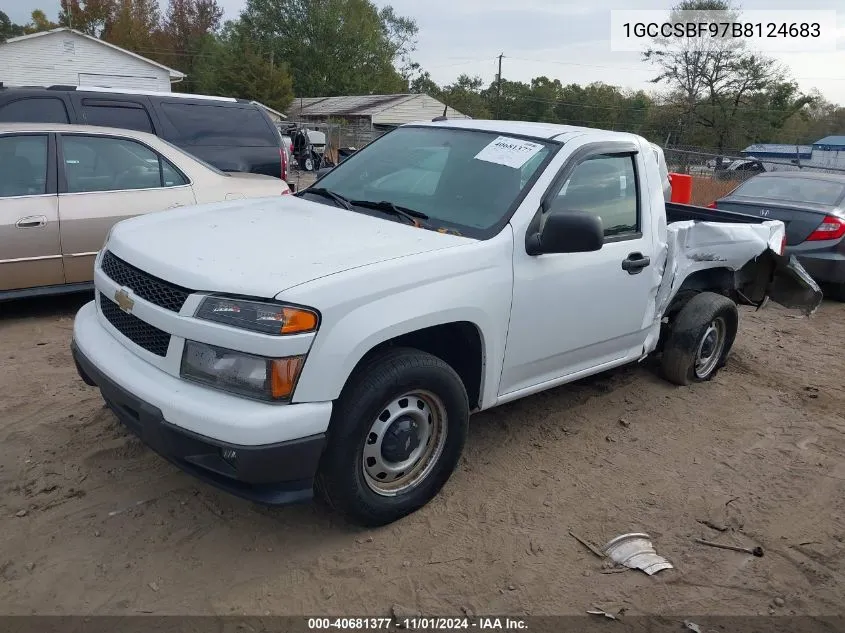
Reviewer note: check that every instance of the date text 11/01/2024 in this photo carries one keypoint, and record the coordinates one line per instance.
(418, 624)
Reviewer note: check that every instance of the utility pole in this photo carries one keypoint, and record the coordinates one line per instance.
(499, 86)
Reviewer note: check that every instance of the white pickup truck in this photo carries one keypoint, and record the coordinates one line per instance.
(339, 339)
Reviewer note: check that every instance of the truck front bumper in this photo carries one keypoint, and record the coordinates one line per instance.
(151, 404)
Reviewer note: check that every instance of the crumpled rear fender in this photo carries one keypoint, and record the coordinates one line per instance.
(780, 278)
(737, 259)
(750, 252)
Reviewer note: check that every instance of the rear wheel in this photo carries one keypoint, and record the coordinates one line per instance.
(396, 435)
(700, 339)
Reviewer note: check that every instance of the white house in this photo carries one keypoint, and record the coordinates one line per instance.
(67, 57)
(363, 118)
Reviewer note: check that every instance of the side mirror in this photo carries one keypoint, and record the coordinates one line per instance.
(323, 171)
(567, 232)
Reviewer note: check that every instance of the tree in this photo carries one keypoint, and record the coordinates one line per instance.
(333, 47)
(466, 95)
(231, 66)
(821, 118)
(39, 22)
(87, 16)
(714, 76)
(187, 32)
(8, 28)
(136, 26)
(420, 81)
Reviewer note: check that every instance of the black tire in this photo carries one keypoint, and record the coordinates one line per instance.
(688, 330)
(341, 479)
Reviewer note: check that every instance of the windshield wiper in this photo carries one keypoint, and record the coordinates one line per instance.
(410, 215)
(327, 193)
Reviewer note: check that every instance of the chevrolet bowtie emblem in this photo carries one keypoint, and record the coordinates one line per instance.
(123, 300)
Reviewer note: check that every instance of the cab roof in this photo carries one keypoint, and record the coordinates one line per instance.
(525, 128)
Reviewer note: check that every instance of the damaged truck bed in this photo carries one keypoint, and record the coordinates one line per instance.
(707, 239)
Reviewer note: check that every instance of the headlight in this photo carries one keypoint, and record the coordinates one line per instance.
(244, 374)
(258, 316)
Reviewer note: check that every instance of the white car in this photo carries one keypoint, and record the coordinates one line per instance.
(62, 188)
(343, 335)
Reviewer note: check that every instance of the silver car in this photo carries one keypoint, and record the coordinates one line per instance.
(62, 188)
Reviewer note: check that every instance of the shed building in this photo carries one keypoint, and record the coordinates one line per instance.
(64, 56)
(361, 119)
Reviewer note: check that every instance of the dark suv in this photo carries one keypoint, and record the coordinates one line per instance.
(231, 134)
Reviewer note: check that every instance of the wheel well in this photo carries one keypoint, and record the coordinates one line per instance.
(719, 280)
(458, 344)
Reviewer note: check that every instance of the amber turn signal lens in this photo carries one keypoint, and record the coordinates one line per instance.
(283, 375)
(297, 321)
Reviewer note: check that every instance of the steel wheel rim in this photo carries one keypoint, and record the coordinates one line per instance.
(710, 347)
(387, 476)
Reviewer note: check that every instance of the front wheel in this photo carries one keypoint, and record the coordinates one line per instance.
(700, 339)
(396, 435)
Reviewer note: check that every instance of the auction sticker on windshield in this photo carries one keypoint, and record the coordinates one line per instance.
(511, 152)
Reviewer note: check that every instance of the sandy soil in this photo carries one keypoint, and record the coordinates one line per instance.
(91, 522)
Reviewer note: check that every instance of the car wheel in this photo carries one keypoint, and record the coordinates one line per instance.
(700, 339)
(396, 435)
(308, 164)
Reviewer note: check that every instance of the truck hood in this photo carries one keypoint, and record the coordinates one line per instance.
(264, 246)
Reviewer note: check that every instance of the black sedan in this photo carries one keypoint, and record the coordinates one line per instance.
(812, 206)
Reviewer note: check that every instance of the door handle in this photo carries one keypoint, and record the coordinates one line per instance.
(175, 206)
(32, 222)
(635, 263)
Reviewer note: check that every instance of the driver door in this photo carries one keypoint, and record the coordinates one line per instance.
(577, 313)
(105, 179)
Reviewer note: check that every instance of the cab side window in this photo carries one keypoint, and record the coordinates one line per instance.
(606, 186)
(35, 110)
(126, 115)
(23, 165)
(101, 163)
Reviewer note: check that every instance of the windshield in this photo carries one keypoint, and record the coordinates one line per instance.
(464, 180)
(792, 189)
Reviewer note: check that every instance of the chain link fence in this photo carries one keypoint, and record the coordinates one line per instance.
(716, 174)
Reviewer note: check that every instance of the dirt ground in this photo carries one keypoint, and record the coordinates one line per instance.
(91, 522)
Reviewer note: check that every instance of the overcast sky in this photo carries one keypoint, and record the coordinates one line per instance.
(563, 40)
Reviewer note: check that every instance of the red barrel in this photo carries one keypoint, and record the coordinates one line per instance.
(681, 187)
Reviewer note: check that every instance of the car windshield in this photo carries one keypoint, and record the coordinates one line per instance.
(792, 189)
(464, 180)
